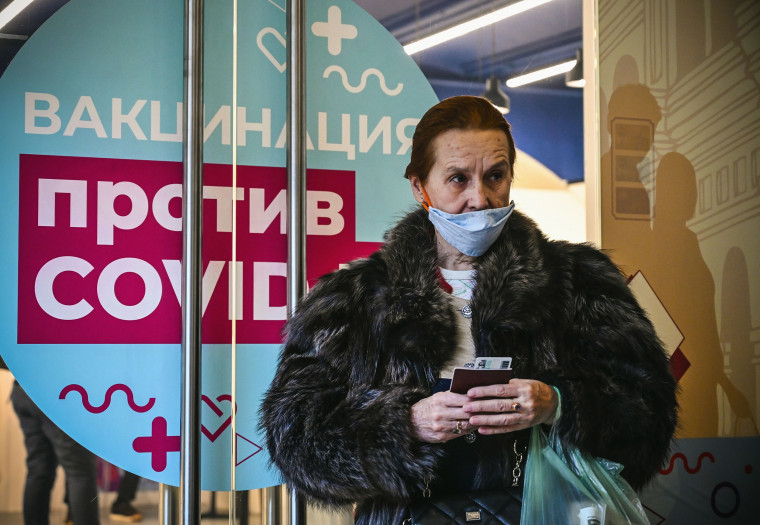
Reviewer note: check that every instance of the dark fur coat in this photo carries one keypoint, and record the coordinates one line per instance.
(368, 341)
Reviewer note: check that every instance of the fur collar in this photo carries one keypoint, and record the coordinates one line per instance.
(510, 277)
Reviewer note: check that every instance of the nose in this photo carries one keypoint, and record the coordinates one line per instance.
(477, 199)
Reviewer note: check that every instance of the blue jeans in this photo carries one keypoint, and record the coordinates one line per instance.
(46, 447)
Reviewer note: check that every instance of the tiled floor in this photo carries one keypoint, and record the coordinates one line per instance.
(146, 503)
(148, 510)
(150, 517)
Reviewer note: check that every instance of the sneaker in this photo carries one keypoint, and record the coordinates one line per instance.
(124, 511)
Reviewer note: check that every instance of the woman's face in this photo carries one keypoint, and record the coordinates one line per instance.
(471, 171)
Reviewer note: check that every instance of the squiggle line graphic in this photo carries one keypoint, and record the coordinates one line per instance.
(107, 401)
(688, 469)
(367, 72)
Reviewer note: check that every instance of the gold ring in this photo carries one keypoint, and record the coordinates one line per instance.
(458, 428)
(516, 406)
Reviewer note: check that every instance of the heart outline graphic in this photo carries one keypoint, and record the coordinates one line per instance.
(281, 66)
(219, 412)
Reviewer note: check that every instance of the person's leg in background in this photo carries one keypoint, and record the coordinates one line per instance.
(41, 459)
(80, 466)
(122, 509)
(68, 520)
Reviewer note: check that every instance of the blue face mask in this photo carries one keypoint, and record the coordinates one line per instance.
(471, 233)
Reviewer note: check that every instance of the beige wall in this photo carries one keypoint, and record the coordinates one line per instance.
(680, 187)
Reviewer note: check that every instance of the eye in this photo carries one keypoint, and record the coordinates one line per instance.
(496, 175)
(458, 178)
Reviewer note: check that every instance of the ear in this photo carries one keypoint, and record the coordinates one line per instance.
(414, 180)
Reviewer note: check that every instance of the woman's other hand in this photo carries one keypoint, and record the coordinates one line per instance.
(522, 403)
(440, 417)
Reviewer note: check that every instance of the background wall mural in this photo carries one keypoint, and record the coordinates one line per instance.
(680, 184)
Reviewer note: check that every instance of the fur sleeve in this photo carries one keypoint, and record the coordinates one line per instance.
(336, 432)
(618, 395)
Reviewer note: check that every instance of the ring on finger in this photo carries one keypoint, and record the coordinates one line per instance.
(458, 428)
(516, 406)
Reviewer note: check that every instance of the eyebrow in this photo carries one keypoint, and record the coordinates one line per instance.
(456, 168)
(500, 164)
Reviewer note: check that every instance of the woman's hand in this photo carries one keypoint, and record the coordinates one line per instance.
(522, 403)
(440, 417)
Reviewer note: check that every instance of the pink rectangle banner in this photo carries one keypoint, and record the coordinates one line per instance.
(100, 244)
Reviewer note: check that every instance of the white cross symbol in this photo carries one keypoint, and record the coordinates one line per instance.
(334, 30)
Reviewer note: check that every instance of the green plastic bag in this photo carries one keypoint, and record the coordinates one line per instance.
(565, 487)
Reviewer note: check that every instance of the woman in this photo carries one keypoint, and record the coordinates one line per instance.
(359, 410)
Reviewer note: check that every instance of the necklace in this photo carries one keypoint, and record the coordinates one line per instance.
(467, 311)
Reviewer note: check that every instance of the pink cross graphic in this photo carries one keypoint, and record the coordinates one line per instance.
(158, 444)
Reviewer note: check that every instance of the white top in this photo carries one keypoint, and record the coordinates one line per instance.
(463, 283)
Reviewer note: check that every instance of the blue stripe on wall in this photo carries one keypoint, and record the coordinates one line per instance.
(546, 123)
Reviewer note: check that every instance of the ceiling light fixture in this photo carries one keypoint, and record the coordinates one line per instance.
(10, 12)
(574, 77)
(471, 25)
(541, 74)
(496, 96)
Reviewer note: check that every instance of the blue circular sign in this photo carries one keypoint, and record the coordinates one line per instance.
(91, 174)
